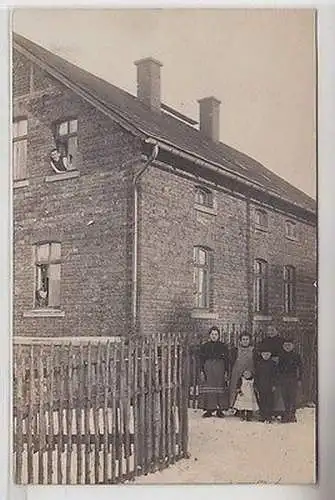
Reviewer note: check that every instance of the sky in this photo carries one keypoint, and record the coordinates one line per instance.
(259, 63)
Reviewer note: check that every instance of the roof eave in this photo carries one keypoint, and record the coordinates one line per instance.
(145, 135)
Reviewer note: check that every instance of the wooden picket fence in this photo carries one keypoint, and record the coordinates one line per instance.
(99, 414)
(306, 345)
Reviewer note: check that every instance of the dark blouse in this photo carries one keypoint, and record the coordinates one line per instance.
(213, 350)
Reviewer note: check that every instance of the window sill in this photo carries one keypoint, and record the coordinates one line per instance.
(261, 229)
(291, 238)
(203, 314)
(21, 183)
(262, 317)
(44, 313)
(290, 319)
(70, 174)
(204, 209)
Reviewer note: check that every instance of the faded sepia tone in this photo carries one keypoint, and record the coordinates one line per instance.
(165, 279)
(261, 62)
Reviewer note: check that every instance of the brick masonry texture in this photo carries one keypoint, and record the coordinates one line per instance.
(96, 265)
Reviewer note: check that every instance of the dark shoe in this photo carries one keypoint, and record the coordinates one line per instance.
(220, 414)
(207, 414)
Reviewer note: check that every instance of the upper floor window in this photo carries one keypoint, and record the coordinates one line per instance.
(47, 275)
(20, 130)
(202, 276)
(261, 220)
(261, 286)
(291, 230)
(64, 156)
(289, 289)
(204, 197)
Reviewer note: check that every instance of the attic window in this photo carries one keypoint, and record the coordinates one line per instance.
(204, 197)
(64, 156)
(291, 230)
(261, 220)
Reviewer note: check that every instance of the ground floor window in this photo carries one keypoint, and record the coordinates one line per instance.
(202, 276)
(261, 286)
(47, 274)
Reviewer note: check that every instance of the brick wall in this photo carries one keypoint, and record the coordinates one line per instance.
(95, 271)
(274, 247)
(92, 216)
(170, 227)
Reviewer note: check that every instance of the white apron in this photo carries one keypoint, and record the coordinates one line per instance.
(247, 400)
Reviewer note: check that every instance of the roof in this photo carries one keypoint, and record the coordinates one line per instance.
(166, 128)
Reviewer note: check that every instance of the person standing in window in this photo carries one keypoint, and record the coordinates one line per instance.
(214, 360)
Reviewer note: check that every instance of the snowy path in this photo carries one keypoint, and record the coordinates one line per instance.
(230, 451)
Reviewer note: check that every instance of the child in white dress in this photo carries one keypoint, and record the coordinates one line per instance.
(246, 401)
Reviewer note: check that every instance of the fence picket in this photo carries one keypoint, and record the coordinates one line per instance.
(114, 413)
(142, 459)
(105, 379)
(41, 418)
(156, 408)
(95, 402)
(18, 415)
(127, 410)
(136, 411)
(163, 402)
(174, 399)
(121, 400)
(69, 414)
(169, 430)
(30, 413)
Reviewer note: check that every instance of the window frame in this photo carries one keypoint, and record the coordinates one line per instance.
(208, 201)
(49, 264)
(263, 222)
(261, 287)
(20, 139)
(203, 298)
(291, 235)
(289, 289)
(63, 139)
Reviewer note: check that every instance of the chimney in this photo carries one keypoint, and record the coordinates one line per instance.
(210, 117)
(149, 82)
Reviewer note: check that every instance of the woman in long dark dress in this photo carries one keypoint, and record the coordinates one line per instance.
(214, 360)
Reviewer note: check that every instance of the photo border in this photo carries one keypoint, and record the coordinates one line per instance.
(326, 281)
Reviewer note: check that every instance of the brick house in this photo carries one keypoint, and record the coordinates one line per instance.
(127, 217)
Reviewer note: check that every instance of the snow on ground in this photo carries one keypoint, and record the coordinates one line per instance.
(229, 451)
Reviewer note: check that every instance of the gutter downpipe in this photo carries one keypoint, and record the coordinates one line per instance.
(136, 179)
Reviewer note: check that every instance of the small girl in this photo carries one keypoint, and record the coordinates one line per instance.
(246, 401)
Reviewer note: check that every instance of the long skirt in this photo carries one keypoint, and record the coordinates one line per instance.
(278, 402)
(213, 391)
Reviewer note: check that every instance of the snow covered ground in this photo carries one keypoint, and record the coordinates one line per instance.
(229, 451)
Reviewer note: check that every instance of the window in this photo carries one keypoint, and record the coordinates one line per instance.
(64, 157)
(291, 230)
(47, 277)
(289, 289)
(20, 130)
(204, 197)
(261, 220)
(261, 286)
(202, 276)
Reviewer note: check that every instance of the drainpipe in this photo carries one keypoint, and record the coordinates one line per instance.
(136, 179)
